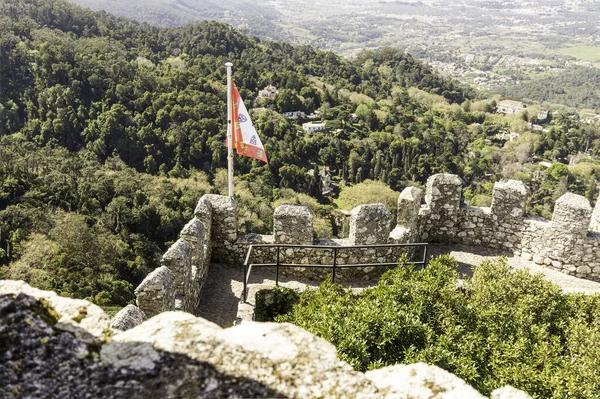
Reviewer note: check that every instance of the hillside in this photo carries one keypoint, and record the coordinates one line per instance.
(494, 45)
(113, 128)
(88, 101)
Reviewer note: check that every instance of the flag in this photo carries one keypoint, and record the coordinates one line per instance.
(245, 139)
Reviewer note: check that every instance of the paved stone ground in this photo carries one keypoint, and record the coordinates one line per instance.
(224, 285)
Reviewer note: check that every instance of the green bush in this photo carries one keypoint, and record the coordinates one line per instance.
(500, 327)
(274, 302)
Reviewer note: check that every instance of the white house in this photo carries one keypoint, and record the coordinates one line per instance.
(312, 127)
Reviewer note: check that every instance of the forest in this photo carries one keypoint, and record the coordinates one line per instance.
(110, 130)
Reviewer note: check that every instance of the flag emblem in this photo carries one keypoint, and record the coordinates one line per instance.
(242, 118)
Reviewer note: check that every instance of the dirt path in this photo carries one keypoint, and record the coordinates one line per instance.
(224, 285)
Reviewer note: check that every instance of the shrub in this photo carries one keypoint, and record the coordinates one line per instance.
(274, 302)
(500, 327)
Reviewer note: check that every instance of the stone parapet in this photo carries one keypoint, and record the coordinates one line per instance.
(224, 227)
(156, 294)
(293, 224)
(370, 224)
(212, 237)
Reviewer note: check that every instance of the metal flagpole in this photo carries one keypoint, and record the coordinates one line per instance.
(229, 65)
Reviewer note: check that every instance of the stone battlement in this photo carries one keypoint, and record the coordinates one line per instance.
(436, 215)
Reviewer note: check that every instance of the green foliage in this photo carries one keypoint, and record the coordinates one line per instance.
(577, 86)
(502, 327)
(274, 302)
(70, 224)
(368, 192)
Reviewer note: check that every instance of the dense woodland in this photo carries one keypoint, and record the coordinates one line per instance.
(110, 130)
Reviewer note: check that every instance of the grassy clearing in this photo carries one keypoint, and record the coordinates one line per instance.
(585, 53)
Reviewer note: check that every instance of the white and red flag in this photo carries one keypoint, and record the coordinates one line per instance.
(245, 139)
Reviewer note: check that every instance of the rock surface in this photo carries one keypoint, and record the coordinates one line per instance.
(420, 381)
(39, 359)
(509, 392)
(128, 317)
(76, 312)
(292, 361)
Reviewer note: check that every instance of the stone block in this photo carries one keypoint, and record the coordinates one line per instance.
(370, 224)
(444, 193)
(128, 317)
(508, 199)
(409, 203)
(156, 294)
(293, 224)
(584, 270)
(572, 215)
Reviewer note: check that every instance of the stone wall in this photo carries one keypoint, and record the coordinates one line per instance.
(564, 243)
(212, 237)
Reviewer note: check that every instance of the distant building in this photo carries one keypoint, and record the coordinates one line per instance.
(295, 114)
(542, 116)
(510, 106)
(325, 174)
(312, 127)
(505, 136)
(268, 92)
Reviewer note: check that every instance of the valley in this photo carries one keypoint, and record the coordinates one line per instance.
(508, 47)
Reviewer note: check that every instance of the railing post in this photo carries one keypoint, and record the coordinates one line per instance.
(245, 282)
(425, 258)
(277, 269)
(334, 264)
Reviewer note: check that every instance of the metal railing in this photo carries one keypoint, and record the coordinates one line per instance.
(334, 266)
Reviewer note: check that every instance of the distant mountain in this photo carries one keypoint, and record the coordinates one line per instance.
(258, 18)
(490, 44)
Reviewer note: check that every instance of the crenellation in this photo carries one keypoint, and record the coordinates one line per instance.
(508, 199)
(293, 224)
(156, 294)
(572, 214)
(409, 203)
(212, 237)
(444, 193)
(224, 227)
(193, 233)
(178, 259)
(370, 224)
